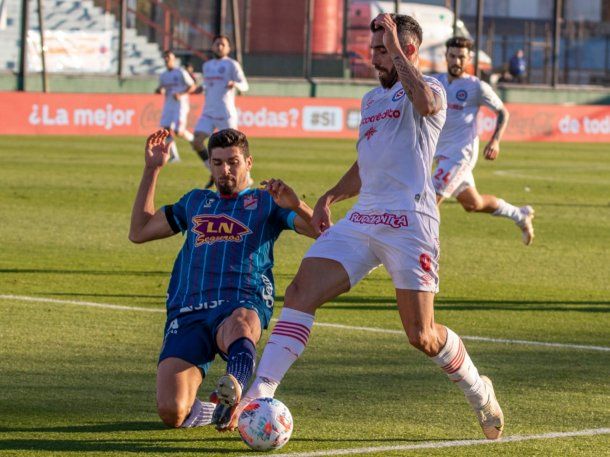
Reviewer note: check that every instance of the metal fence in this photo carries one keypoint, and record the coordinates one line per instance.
(330, 38)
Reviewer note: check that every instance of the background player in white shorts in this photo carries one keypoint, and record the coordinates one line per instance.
(175, 83)
(394, 223)
(458, 145)
(222, 76)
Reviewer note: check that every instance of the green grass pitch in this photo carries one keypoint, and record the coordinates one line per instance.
(77, 380)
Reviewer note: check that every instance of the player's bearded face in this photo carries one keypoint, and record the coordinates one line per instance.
(457, 60)
(230, 170)
(382, 62)
(221, 48)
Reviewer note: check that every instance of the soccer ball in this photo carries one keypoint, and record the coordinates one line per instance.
(265, 424)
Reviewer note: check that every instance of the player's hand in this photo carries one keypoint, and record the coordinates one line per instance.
(492, 150)
(390, 36)
(230, 84)
(177, 96)
(320, 220)
(156, 151)
(282, 193)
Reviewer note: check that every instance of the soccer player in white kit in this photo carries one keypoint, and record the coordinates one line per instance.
(394, 222)
(222, 76)
(458, 146)
(176, 84)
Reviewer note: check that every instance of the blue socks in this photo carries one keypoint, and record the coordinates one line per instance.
(241, 360)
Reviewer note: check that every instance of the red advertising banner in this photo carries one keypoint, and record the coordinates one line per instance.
(129, 114)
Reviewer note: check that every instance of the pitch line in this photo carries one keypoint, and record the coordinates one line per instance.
(317, 324)
(443, 444)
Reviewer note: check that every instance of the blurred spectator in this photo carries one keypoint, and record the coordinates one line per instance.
(517, 66)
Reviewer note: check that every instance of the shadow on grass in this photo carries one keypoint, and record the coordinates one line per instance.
(126, 446)
(84, 272)
(155, 445)
(379, 303)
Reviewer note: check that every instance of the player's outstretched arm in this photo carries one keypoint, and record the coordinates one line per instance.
(493, 147)
(425, 101)
(347, 187)
(285, 197)
(146, 223)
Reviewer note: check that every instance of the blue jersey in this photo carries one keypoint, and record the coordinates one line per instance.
(227, 255)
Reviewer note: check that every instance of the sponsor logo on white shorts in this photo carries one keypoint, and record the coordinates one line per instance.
(392, 220)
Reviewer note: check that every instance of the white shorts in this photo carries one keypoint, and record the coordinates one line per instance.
(405, 242)
(453, 173)
(207, 124)
(174, 117)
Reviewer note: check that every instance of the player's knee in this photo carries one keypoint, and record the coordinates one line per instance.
(172, 413)
(422, 340)
(472, 206)
(297, 297)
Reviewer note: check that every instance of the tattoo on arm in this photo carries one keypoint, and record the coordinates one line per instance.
(407, 74)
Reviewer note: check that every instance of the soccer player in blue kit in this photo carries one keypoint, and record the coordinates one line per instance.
(221, 290)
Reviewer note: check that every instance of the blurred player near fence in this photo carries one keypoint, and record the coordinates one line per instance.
(175, 84)
(222, 78)
(458, 145)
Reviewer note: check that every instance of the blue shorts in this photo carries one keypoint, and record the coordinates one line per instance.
(192, 337)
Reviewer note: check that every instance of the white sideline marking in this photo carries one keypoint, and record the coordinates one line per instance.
(317, 324)
(474, 338)
(81, 303)
(443, 444)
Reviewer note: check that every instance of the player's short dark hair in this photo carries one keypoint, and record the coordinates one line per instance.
(168, 52)
(459, 42)
(228, 138)
(216, 37)
(406, 27)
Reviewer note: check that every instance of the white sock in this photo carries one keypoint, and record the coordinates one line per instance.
(286, 343)
(260, 388)
(173, 151)
(507, 210)
(201, 414)
(456, 363)
(188, 136)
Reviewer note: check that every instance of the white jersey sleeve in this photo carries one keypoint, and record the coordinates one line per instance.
(489, 98)
(239, 77)
(188, 80)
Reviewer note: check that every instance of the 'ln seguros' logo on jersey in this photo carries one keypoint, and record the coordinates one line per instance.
(211, 228)
(398, 95)
(461, 95)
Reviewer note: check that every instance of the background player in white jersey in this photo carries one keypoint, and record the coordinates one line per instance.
(222, 77)
(394, 223)
(175, 83)
(458, 146)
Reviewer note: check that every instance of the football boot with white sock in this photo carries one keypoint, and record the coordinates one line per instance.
(525, 224)
(490, 415)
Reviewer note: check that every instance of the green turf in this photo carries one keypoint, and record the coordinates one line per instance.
(80, 381)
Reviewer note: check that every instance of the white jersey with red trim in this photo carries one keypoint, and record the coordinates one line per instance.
(465, 96)
(395, 150)
(220, 100)
(174, 81)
